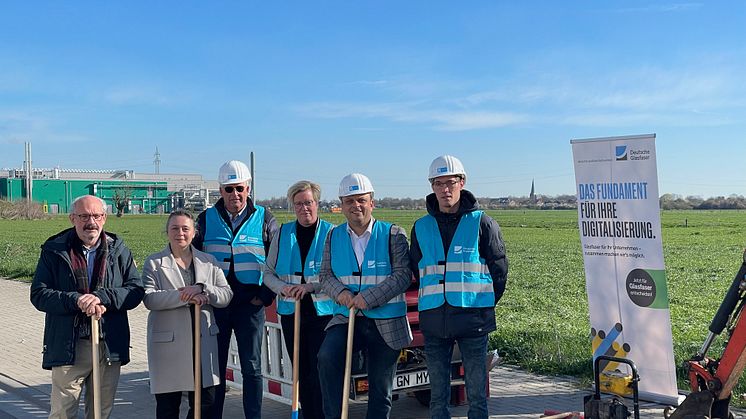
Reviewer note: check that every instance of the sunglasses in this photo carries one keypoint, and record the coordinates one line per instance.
(229, 189)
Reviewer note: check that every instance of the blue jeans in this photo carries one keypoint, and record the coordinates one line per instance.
(247, 321)
(474, 356)
(381, 368)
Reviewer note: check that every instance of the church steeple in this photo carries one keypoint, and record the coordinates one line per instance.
(532, 196)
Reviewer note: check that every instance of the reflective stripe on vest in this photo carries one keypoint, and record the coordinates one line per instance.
(375, 268)
(289, 269)
(245, 249)
(462, 278)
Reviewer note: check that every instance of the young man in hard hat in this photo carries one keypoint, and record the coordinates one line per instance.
(365, 266)
(238, 233)
(458, 255)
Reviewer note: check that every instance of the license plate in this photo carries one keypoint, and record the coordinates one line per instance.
(411, 379)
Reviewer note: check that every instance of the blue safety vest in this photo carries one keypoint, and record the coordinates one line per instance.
(462, 277)
(245, 249)
(374, 269)
(288, 267)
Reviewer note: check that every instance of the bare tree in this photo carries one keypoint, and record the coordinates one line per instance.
(121, 200)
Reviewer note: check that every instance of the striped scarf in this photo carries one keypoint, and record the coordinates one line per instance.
(79, 263)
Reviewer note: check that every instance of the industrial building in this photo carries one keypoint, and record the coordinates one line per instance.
(146, 193)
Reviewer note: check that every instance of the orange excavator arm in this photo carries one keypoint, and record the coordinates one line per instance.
(712, 380)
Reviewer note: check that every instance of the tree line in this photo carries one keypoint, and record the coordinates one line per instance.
(674, 201)
(667, 202)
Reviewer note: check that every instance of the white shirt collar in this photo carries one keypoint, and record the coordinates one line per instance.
(360, 243)
(368, 230)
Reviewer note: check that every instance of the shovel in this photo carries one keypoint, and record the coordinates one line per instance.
(348, 364)
(96, 373)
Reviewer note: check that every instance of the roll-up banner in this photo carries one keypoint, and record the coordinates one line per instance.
(620, 233)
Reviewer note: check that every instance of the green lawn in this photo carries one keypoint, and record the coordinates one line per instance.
(543, 317)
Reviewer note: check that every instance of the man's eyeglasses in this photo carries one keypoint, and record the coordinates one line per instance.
(448, 184)
(229, 189)
(307, 204)
(87, 217)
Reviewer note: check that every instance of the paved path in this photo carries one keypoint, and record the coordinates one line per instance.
(25, 386)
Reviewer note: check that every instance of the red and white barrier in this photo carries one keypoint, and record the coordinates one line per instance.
(277, 370)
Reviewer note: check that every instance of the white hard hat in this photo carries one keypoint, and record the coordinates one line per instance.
(232, 172)
(355, 184)
(446, 165)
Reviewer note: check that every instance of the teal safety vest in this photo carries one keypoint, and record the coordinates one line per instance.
(461, 277)
(288, 267)
(245, 249)
(374, 269)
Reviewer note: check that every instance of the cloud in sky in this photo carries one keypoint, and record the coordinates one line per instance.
(702, 94)
(414, 112)
(17, 127)
(138, 95)
(662, 8)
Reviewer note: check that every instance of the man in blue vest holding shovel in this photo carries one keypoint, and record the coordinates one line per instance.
(366, 267)
(458, 255)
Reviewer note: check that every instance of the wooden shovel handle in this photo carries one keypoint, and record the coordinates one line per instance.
(348, 364)
(197, 361)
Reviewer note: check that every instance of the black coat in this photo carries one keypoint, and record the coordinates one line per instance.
(54, 291)
(448, 321)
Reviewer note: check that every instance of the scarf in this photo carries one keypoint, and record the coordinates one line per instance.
(85, 285)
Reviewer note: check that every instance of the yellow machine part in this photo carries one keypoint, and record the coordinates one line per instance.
(615, 382)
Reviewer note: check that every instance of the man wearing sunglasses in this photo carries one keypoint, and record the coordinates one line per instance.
(84, 272)
(238, 233)
(458, 255)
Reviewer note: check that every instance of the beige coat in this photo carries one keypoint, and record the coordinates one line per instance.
(170, 325)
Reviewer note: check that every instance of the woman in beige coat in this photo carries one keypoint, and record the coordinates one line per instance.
(175, 279)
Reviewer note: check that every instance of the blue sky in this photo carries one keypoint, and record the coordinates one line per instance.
(321, 89)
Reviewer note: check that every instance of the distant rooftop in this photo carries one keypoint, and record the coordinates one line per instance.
(176, 181)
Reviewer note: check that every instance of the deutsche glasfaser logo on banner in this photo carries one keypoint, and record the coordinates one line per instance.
(621, 152)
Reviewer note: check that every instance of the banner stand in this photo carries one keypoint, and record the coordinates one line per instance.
(620, 234)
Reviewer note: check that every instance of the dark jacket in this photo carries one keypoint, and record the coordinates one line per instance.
(242, 293)
(448, 321)
(54, 291)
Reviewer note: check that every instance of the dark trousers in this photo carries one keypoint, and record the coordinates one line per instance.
(381, 368)
(167, 405)
(247, 321)
(311, 336)
(438, 352)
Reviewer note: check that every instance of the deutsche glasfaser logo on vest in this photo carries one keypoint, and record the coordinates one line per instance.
(372, 264)
(248, 239)
(311, 264)
(460, 249)
(621, 152)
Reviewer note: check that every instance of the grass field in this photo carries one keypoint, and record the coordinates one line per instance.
(543, 317)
